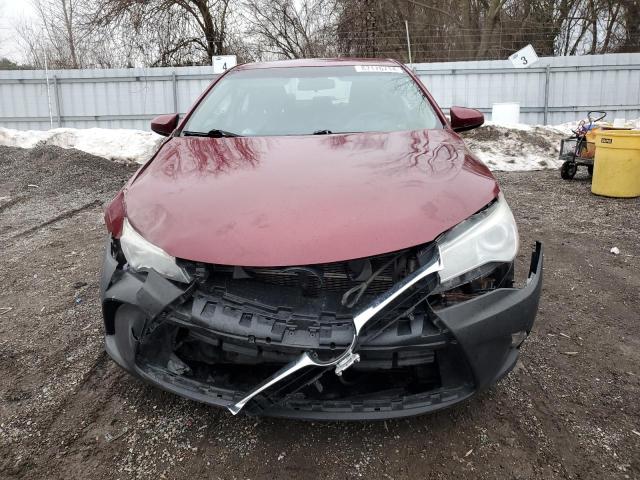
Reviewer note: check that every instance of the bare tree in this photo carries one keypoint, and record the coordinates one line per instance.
(593, 26)
(631, 37)
(180, 28)
(126, 33)
(289, 29)
(58, 33)
(59, 21)
(5, 63)
(481, 29)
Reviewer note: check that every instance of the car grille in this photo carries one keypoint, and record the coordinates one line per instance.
(314, 280)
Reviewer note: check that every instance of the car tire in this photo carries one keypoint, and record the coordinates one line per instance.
(568, 170)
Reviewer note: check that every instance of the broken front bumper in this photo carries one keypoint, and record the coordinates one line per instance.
(448, 355)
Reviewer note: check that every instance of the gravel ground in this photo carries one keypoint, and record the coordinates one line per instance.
(570, 409)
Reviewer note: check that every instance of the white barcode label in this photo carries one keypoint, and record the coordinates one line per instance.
(377, 69)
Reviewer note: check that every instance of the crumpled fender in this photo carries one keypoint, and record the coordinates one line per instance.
(150, 294)
(510, 310)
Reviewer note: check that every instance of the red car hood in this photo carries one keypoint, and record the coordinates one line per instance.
(278, 201)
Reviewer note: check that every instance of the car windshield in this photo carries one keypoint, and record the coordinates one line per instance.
(313, 100)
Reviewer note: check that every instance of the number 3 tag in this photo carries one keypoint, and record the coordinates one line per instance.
(524, 58)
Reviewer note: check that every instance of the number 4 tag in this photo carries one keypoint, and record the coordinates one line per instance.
(223, 62)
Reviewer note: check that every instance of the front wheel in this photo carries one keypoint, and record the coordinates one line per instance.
(568, 170)
(590, 170)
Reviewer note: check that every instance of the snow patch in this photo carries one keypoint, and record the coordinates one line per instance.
(119, 145)
(517, 147)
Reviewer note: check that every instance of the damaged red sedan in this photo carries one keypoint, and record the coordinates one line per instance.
(314, 240)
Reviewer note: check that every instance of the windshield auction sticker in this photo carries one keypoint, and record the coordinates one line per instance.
(377, 69)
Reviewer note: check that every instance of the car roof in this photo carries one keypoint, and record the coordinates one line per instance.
(318, 62)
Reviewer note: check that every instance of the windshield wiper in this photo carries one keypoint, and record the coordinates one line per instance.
(215, 133)
(331, 132)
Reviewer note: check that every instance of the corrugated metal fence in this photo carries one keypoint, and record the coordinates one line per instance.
(114, 98)
(555, 90)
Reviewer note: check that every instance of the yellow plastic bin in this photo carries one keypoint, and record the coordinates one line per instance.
(589, 149)
(616, 171)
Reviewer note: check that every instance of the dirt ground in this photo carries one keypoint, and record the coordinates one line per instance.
(571, 408)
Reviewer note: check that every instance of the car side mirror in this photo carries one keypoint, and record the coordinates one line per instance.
(463, 119)
(165, 124)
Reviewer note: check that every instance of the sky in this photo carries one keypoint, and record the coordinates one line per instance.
(12, 11)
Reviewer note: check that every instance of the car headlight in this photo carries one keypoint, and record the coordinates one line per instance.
(143, 256)
(472, 247)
